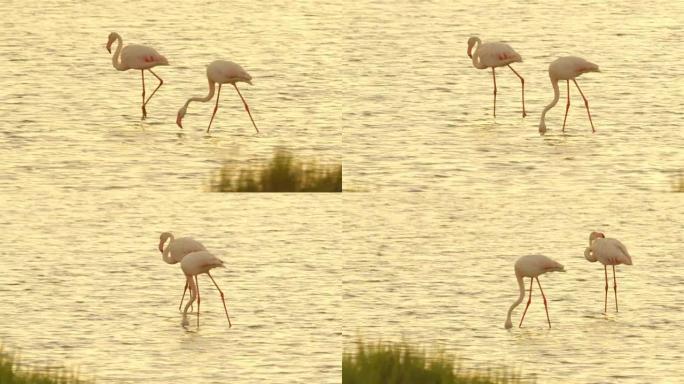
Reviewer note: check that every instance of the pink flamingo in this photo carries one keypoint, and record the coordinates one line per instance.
(194, 264)
(567, 68)
(177, 250)
(495, 55)
(221, 72)
(609, 252)
(136, 57)
(531, 266)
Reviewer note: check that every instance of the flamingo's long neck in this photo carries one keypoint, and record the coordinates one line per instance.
(556, 96)
(476, 56)
(115, 58)
(165, 254)
(212, 88)
(521, 285)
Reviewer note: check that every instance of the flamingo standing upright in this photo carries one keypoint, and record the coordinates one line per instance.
(194, 264)
(608, 251)
(567, 68)
(495, 55)
(136, 57)
(531, 266)
(221, 72)
(177, 250)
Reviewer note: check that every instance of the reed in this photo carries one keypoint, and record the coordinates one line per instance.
(11, 372)
(283, 173)
(391, 363)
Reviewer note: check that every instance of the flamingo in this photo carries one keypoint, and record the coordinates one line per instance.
(136, 57)
(195, 264)
(567, 68)
(495, 55)
(177, 250)
(531, 266)
(609, 252)
(221, 72)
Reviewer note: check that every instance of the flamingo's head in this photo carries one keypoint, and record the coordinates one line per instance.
(162, 239)
(596, 235)
(542, 127)
(110, 41)
(471, 44)
(179, 117)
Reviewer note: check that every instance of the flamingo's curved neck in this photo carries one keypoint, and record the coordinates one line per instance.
(212, 88)
(556, 95)
(521, 285)
(165, 254)
(115, 58)
(476, 56)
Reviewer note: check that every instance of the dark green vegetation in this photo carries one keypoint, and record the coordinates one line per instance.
(12, 373)
(283, 173)
(386, 363)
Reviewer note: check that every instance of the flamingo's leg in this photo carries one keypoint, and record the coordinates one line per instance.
(155, 90)
(144, 112)
(605, 301)
(193, 296)
(198, 300)
(222, 299)
(545, 307)
(615, 289)
(567, 106)
(246, 107)
(215, 108)
(586, 104)
(494, 77)
(522, 81)
(183, 297)
(528, 303)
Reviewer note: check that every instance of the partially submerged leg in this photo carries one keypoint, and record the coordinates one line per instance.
(144, 112)
(586, 104)
(494, 77)
(198, 299)
(222, 299)
(155, 90)
(246, 107)
(528, 303)
(215, 107)
(567, 106)
(545, 306)
(615, 289)
(183, 297)
(605, 301)
(522, 81)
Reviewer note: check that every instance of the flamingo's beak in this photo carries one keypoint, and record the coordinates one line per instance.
(161, 247)
(178, 122)
(109, 49)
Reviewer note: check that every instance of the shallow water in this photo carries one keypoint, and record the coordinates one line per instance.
(420, 115)
(71, 121)
(84, 285)
(437, 272)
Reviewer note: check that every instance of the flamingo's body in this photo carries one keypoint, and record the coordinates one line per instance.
(136, 57)
(607, 251)
(492, 55)
(195, 264)
(177, 250)
(531, 266)
(567, 68)
(221, 72)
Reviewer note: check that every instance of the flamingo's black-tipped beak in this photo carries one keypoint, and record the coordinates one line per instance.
(470, 55)
(179, 123)
(109, 49)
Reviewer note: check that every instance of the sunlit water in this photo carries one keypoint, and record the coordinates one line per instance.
(419, 117)
(84, 285)
(71, 121)
(437, 272)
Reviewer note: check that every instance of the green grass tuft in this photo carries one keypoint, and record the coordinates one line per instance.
(283, 173)
(11, 372)
(387, 363)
